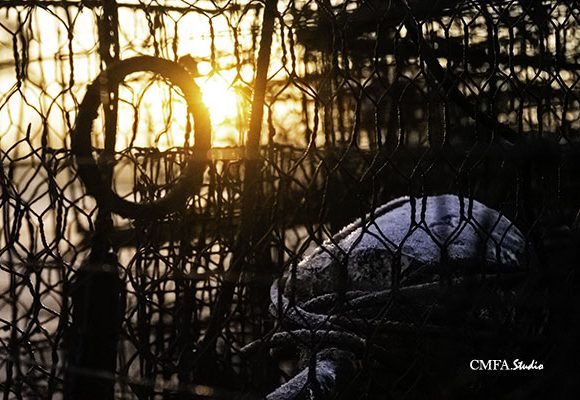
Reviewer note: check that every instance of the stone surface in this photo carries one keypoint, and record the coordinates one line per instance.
(439, 232)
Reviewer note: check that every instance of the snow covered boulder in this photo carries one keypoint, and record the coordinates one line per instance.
(422, 237)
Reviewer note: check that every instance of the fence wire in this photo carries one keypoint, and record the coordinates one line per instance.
(240, 281)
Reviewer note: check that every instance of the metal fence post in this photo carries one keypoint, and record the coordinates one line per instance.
(96, 293)
(246, 233)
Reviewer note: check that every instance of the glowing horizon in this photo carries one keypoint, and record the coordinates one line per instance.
(50, 92)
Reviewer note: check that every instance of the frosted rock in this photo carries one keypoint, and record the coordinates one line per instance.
(440, 233)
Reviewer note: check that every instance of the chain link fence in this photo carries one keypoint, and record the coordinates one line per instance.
(176, 177)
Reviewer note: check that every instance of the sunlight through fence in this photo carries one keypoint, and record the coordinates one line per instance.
(176, 177)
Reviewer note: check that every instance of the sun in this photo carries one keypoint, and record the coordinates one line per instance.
(220, 99)
(226, 108)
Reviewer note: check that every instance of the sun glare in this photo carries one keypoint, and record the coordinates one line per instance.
(226, 108)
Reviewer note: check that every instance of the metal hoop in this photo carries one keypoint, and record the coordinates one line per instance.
(92, 174)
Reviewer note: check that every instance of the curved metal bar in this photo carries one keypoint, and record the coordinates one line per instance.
(88, 168)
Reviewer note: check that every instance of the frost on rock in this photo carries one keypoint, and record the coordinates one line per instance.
(441, 230)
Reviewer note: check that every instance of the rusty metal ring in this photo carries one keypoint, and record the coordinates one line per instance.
(93, 175)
